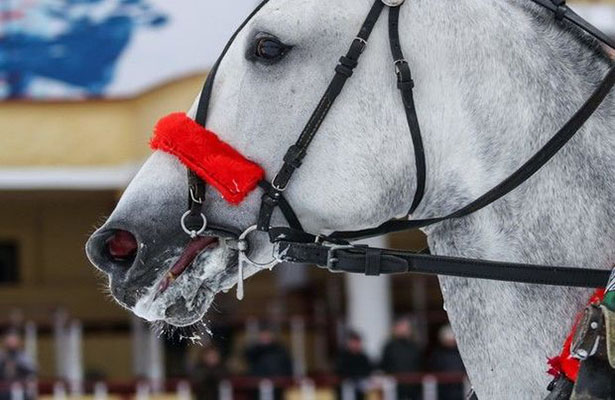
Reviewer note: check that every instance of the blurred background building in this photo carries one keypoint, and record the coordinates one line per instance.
(81, 84)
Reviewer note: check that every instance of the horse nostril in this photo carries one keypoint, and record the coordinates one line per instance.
(122, 246)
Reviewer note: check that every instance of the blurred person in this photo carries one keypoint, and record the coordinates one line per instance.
(15, 365)
(446, 359)
(402, 355)
(354, 365)
(207, 373)
(268, 358)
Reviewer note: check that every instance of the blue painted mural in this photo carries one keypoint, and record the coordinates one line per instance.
(72, 45)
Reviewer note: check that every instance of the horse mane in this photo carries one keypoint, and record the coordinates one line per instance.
(545, 22)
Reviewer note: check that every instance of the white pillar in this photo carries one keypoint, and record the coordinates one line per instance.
(30, 342)
(225, 391)
(184, 391)
(349, 390)
(389, 389)
(140, 346)
(297, 335)
(101, 392)
(155, 362)
(17, 391)
(59, 391)
(266, 390)
(143, 391)
(308, 389)
(369, 306)
(430, 388)
(60, 342)
(74, 372)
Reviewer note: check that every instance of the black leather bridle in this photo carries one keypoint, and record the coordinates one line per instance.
(294, 245)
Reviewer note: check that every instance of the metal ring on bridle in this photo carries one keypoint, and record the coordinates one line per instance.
(193, 233)
(393, 3)
(243, 254)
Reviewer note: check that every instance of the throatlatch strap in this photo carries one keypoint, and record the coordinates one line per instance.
(526, 171)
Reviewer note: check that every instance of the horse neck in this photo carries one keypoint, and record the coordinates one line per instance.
(492, 87)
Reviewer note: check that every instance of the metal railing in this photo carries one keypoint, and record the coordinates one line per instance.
(240, 387)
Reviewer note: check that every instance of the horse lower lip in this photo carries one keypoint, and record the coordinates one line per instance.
(194, 248)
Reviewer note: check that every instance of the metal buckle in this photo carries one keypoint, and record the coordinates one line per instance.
(397, 63)
(194, 198)
(332, 255)
(193, 233)
(276, 187)
(586, 339)
(363, 43)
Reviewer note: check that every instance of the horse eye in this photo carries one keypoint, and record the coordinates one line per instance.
(270, 49)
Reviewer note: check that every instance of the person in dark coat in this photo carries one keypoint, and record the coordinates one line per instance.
(268, 358)
(402, 355)
(207, 374)
(353, 366)
(15, 366)
(446, 359)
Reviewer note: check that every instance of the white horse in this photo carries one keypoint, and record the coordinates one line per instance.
(494, 80)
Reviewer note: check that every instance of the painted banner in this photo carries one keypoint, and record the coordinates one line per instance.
(73, 49)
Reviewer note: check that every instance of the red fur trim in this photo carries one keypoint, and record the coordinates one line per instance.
(213, 160)
(565, 363)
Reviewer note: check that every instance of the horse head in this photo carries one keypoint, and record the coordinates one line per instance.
(356, 174)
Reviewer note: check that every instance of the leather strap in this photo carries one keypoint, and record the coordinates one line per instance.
(202, 111)
(563, 12)
(526, 171)
(196, 199)
(406, 87)
(278, 200)
(366, 260)
(297, 152)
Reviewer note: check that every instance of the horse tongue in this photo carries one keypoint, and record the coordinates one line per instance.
(194, 248)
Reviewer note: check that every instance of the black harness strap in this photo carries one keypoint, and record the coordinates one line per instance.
(302, 247)
(196, 199)
(521, 175)
(202, 111)
(563, 12)
(287, 210)
(297, 152)
(406, 87)
(371, 261)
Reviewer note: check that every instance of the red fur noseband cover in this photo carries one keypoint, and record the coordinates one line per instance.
(213, 160)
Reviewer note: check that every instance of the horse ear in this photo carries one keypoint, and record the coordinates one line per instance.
(212, 159)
